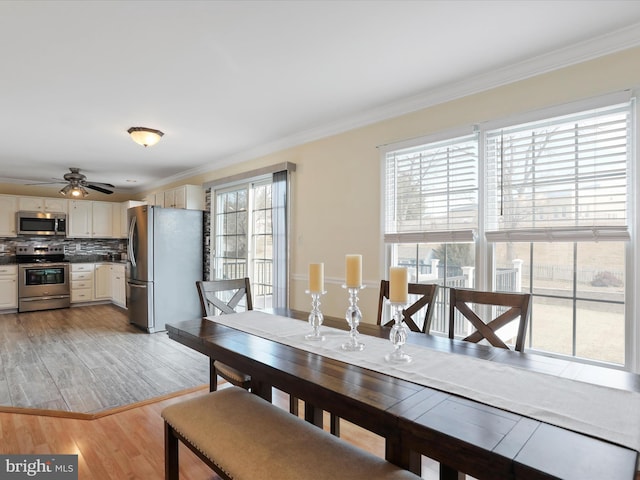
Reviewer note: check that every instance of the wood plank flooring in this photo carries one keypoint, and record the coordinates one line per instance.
(88, 360)
(130, 444)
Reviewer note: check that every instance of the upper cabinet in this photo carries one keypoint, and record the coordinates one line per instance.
(8, 208)
(80, 220)
(102, 222)
(190, 197)
(42, 204)
(85, 218)
(89, 219)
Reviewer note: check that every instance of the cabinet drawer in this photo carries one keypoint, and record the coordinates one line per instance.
(82, 267)
(8, 270)
(88, 276)
(81, 295)
(80, 284)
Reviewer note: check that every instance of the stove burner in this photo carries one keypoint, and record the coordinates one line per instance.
(40, 253)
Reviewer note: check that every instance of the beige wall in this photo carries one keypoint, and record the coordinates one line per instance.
(336, 188)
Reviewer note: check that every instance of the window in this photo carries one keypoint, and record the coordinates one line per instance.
(249, 237)
(550, 217)
(557, 203)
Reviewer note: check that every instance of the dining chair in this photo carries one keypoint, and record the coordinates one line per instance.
(219, 297)
(501, 309)
(426, 293)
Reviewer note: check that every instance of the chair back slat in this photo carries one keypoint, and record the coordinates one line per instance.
(517, 304)
(427, 294)
(213, 302)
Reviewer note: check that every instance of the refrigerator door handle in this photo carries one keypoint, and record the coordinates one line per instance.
(132, 227)
(135, 285)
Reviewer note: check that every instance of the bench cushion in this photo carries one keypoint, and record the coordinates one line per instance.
(249, 438)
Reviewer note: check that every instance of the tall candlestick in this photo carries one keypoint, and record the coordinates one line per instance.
(316, 277)
(398, 285)
(354, 271)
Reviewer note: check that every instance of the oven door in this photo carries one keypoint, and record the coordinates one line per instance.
(42, 280)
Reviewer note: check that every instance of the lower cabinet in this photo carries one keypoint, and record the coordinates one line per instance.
(118, 285)
(97, 282)
(82, 282)
(102, 277)
(8, 286)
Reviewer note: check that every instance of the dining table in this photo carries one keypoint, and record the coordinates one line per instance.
(488, 412)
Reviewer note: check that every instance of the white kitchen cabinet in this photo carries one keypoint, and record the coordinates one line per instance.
(8, 208)
(190, 197)
(89, 219)
(155, 199)
(102, 279)
(116, 220)
(82, 282)
(79, 222)
(8, 286)
(102, 221)
(43, 204)
(118, 285)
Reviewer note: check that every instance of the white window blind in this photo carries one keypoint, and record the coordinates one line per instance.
(563, 179)
(431, 192)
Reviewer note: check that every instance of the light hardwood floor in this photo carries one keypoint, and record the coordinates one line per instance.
(130, 444)
(88, 360)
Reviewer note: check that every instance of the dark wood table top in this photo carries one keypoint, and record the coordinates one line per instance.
(464, 435)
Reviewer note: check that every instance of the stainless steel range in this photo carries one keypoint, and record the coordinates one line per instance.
(43, 280)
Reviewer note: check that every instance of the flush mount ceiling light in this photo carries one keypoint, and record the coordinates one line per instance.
(145, 136)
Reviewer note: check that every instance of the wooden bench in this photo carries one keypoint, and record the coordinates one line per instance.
(241, 436)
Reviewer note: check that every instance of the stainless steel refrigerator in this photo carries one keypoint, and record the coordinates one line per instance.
(164, 263)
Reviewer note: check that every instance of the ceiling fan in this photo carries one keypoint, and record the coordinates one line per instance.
(77, 184)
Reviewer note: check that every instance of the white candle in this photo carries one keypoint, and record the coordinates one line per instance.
(398, 285)
(354, 271)
(316, 277)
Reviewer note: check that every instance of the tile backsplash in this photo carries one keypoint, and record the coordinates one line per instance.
(90, 247)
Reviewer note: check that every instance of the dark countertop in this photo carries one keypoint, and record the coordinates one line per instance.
(8, 260)
(11, 259)
(92, 259)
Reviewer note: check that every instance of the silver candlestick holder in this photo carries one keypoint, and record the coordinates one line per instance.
(315, 317)
(398, 336)
(353, 317)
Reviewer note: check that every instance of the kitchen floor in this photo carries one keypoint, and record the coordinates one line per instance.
(89, 359)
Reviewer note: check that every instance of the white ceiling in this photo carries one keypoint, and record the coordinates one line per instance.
(229, 80)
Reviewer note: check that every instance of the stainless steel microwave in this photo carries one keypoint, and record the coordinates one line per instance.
(41, 223)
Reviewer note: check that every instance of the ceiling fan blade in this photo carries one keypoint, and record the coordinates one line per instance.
(104, 185)
(98, 189)
(45, 183)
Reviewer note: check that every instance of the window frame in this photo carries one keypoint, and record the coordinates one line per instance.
(485, 259)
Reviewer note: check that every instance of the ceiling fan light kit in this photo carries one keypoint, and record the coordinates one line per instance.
(77, 185)
(75, 191)
(145, 136)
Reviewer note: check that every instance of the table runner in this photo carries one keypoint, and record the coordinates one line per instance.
(610, 414)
